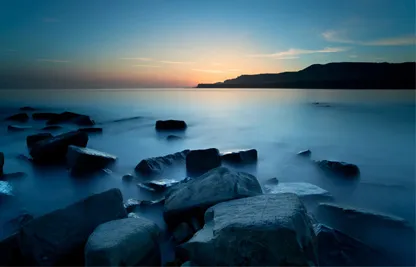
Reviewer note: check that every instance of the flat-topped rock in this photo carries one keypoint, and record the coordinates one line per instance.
(71, 117)
(170, 125)
(18, 128)
(245, 156)
(192, 198)
(124, 242)
(58, 238)
(202, 160)
(20, 117)
(31, 140)
(83, 160)
(339, 168)
(156, 165)
(55, 149)
(265, 230)
(302, 190)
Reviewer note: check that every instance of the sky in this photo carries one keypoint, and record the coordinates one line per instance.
(180, 43)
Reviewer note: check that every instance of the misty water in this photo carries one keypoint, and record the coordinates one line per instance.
(371, 128)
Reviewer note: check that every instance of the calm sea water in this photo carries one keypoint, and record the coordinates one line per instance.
(373, 129)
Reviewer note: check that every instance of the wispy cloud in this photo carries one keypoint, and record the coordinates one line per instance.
(209, 71)
(50, 20)
(52, 60)
(340, 37)
(146, 66)
(397, 41)
(175, 62)
(294, 53)
(137, 58)
(337, 37)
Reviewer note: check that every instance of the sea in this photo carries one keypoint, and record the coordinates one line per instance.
(374, 129)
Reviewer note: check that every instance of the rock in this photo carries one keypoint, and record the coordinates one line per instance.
(5, 189)
(27, 109)
(125, 242)
(14, 175)
(127, 177)
(192, 198)
(160, 185)
(170, 125)
(70, 117)
(18, 128)
(195, 224)
(246, 156)
(1, 163)
(44, 115)
(31, 140)
(188, 264)
(339, 167)
(20, 117)
(305, 153)
(58, 238)
(51, 128)
(86, 160)
(133, 215)
(203, 160)
(272, 181)
(182, 233)
(265, 230)
(14, 224)
(378, 230)
(145, 187)
(302, 190)
(153, 166)
(10, 254)
(55, 149)
(131, 204)
(338, 249)
(91, 130)
(173, 137)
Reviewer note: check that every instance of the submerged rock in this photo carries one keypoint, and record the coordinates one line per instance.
(58, 238)
(31, 140)
(1, 163)
(302, 190)
(266, 230)
(20, 117)
(182, 233)
(54, 149)
(91, 130)
(339, 167)
(52, 128)
(86, 160)
(27, 108)
(173, 137)
(170, 125)
(246, 156)
(272, 181)
(160, 185)
(127, 177)
(44, 115)
(305, 153)
(125, 242)
(156, 165)
(191, 199)
(18, 128)
(71, 117)
(203, 160)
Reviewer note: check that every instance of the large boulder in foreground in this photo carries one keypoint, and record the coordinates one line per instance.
(245, 156)
(20, 117)
(31, 140)
(339, 168)
(202, 160)
(192, 198)
(125, 242)
(302, 190)
(170, 125)
(71, 117)
(58, 238)
(266, 230)
(83, 160)
(54, 149)
(156, 165)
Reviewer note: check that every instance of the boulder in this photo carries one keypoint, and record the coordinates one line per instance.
(20, 117)
(265, 230)
(10, 254)
(55, 149)
(145, 187)
(173, 137)
(27, 109)
(51, 128)
(133, 215)
(305, 153)
(18, 128)
(170, 125)
(5, 189)
(44, 115)
(182, 233)
(58, 238)
(153, 166)
(339, 167)
(131, 204)
(246, 156)
(272, 181)
(192, 198)
(83, 160)
(31, 140)
(338, 249)
(203, 160)
(302, 190)
(91, 130)
(70, 117)
(127, 177)
(1, 163)
(125, 242)
(160, 185)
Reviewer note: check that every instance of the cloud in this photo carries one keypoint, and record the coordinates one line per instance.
(209, 71)
(337, 37)
(137, 58)
(340, 37)
(52, 60)
(175, 62)
(293, 53)
(49, 20)
(146, 66)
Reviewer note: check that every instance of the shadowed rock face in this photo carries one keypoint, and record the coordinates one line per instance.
(20, 117)
(44, 115)
(70, 117)
(339, 167)
(52, 128)
(153, 166)
(27, 109)
(85, 160)
(31, 140)
(170, 125)
(91, 130)
(199, 161)
(246, 156)
(18, 128)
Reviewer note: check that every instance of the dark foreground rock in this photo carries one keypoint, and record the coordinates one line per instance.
(302, 190)
(18, 128)
(153, 166)
(58, 238)
(31, 140)
(20, 117)
(266, 230)
(91, 130)
(10, 254)
(339, 167)
(182, 233)
(71, 117)
(44, 115)
(305, 153)
(52, 128)
(1, 163)
(54, 149)
(131, 204)
(338, 249)
(199, 161)
(125, 242)
(192, 198)
(85, 160)
(246, 156)
(170, 125)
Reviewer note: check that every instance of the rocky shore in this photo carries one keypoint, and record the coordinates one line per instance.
(215, 217)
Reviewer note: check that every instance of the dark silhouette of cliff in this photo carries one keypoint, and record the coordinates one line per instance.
(351, 75)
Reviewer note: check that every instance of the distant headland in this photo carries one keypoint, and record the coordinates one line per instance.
(344, 75)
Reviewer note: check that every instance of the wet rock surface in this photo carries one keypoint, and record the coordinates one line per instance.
(83, 160)
(31, 140)
(202, 160)
(156, 165)
(339, 168)
(302, 190)
(245, 156)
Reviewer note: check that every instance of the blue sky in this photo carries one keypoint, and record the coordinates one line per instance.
(151, 43)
